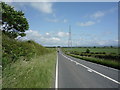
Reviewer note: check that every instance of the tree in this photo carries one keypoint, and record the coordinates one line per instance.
(87, 50)
(94, 47)
(14, 23)
(111, 46)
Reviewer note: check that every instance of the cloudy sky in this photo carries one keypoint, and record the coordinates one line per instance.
(92, 23)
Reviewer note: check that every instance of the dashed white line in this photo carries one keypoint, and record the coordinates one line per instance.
(94, 71)
(56, 80)
(89, 70)
(77, 63)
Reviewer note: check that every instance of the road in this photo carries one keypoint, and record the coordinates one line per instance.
(76, 73)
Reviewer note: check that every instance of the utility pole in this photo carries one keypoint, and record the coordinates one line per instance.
(69, 38)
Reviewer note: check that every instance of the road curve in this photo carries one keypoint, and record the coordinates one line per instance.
(76, 73)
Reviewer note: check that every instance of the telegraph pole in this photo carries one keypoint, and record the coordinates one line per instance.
(69, 38)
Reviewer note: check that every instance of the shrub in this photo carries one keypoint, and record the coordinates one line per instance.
(87, 51)
(13, 50)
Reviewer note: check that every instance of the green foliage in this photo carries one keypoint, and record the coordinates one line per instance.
(94, 47)
(107, 53)
(113, 64)
(106, 56)
(14, 22)
(87, 50)
(14, 50)
(36, 73)
(107, 50)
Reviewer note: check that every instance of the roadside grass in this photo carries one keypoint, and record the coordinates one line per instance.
(36, 73)
(0, 78)
(113, 64)
(13, 50)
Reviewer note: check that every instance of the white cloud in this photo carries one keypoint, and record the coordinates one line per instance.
(61, 38)
(47, 38)
(65, 20)
(107, 42)
(62, 34)
(32, 33)
(55, 20)
(18, 5)
(54, 38)
(47, 33)
(98, 14)
(116, 40)
(88, 23)
(45, 7)
(52, 20)
(94, 42)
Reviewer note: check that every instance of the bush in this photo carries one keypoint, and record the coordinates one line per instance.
(87, 51)
(13, 50)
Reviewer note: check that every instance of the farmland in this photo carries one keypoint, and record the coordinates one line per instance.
(107, 50)
(108, 56)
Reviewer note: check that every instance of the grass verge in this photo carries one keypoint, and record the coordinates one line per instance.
(36, 73)
(109, 63)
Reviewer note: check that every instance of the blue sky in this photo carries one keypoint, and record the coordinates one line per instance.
(92, 23)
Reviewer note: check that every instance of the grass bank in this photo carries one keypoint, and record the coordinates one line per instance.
(113, 64)
(26, 64)
(36, 73)
(13, 50)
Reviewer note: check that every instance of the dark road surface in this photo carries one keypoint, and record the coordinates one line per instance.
(76, 73)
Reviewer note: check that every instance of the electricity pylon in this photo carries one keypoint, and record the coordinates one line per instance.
(69, 38)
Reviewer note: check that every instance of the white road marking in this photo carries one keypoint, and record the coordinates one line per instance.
(108, 67)
(94, 71)
(77, 63)
(103, 66)
(89, 70)
(56, 80)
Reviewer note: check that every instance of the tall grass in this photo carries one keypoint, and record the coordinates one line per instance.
(27, 64)
(13, 50)
(36, 73)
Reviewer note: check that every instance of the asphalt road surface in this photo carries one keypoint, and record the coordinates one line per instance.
(76, 73)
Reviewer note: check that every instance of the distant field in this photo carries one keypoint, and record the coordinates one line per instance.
(106, 56)
(107, 50)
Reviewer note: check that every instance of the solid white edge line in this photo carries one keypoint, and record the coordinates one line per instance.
(95, 71)
(103, 66)
(56, 79)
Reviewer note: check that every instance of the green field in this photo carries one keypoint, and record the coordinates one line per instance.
(107, 50)
(106, 56)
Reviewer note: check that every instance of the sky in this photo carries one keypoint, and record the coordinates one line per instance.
(92, 23)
